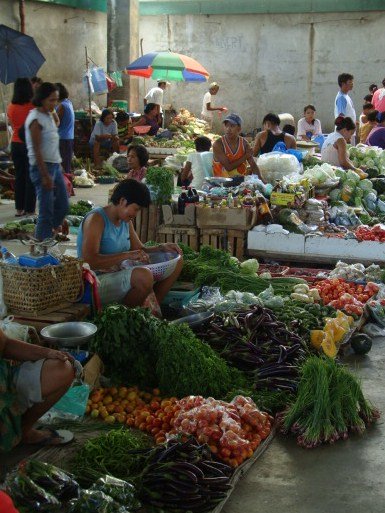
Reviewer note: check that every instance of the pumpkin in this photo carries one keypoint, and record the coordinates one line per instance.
(361, 343)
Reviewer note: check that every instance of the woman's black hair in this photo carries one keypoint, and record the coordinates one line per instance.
(141, 152)
(367, 106)
(121, 116)
(341, 122)
(368, 98)
(36, 80)
(288, 129)
(149, 107)
(105, 113)
(372, 116)
(310, 106)
(63, 91)
(202, 143)
(273, 118)
(22, 91)
(43, 92)
(133, 192)
(373, 87)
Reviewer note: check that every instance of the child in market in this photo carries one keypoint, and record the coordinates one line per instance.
(125, 130)
(366, 108)
(199, 164)
(367, 127)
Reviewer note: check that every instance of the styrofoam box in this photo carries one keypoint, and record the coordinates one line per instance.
(276, 242)
(344, 248)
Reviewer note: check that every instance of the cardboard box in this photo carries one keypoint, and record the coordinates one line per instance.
(237, 218)
(172, 219)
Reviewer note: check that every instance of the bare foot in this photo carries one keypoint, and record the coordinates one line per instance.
(38, 436)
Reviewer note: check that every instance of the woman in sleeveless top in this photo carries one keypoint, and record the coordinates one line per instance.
(107, 237)
(150, 117)
(271, 135)
(334, 150)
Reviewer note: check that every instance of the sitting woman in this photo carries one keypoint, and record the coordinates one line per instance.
(29, 389)
(107, 237)
(137, 158)
(271, 135)
(308, 126)
(150, 118)
(334, 150)
(104, 135)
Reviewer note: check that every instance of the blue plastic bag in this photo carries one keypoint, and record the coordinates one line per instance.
(281, 148)
(74, 401)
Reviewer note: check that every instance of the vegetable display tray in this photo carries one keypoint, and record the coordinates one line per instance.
(242, 470)
(274, 270)
(308, 274)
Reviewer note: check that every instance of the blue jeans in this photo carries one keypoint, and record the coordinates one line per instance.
(53, 204)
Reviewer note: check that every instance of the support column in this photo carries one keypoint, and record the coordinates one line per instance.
(123, 47)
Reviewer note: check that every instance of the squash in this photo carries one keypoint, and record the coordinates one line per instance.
(361, 343)
(328, 346)
(316, 338)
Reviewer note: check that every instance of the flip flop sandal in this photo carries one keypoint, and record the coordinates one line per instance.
(62, 437)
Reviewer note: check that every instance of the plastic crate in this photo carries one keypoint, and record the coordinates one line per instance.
(180, 297)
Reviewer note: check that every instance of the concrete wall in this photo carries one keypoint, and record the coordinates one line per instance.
(61, 34)
(272, 62)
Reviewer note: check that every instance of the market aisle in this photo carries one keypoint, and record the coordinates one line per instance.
(347, 477)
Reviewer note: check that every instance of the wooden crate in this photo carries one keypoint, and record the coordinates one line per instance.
(72, 312)
(147, 223)
(186, 234)
(230, 240)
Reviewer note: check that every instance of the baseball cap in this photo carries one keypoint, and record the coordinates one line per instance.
(234, 119)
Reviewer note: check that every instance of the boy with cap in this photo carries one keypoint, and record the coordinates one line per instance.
(232, 152)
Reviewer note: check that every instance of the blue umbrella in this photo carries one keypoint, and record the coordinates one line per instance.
(19, 55)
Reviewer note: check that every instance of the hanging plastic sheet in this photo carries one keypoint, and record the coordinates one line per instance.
(99, 81)
(117, 77)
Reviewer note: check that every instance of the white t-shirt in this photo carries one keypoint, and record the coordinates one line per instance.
(304, 126)
(344, 105)
(329, 153)
(101, 129)
(207, 99)
(49, 137)
(155, 95)
(201, 167)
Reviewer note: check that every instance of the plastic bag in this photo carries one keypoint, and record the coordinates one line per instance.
(24, 492)
(121, 491)
(373, 330)
(94, 501)
(52, 479)
(14, 329)
(74, 401)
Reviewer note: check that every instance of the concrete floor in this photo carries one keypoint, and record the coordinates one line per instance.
(347, 477)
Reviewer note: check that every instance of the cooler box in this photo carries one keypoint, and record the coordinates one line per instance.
(120, 104)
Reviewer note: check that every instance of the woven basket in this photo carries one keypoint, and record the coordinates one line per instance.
(37, 290)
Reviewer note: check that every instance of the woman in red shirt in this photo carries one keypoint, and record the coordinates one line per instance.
(25, 198)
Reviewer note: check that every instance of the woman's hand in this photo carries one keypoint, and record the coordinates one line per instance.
(171, 247)
(138, 255)
(53, 354)
(47, 182)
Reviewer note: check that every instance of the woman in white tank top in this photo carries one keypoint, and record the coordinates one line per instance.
(334, 150)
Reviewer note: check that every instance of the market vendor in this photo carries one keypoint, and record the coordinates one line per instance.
(107, 237)
(29, 389)
(308, 126)
(271, 135)
(232, 152)
(150, 117)
(377, 135)
(208, 108)
(104, 135)
(155, 96)
(137, 159)
(334, 150)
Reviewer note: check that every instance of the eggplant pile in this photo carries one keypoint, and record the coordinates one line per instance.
(258, 344)
(181, 476)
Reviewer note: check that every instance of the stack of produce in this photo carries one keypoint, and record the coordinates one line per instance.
(347, 296)
(189, 124)
(142, 350)
(333, 333)
(233, 430)
(182, 476)
(255, 342)
(329, 405)
(376, 233)
(357, 272)
(368, 157)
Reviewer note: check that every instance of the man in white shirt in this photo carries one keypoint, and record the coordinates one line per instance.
(207, 107)
(155, 95)
(343, 105)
